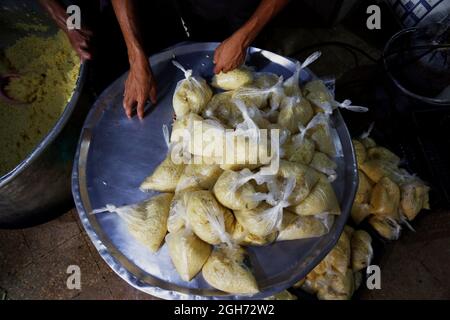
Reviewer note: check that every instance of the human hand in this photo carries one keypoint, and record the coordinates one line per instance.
(80, 41)
(230, 54)
(139, 87)
(79, 38)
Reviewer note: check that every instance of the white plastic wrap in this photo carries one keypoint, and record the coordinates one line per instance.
(191, 94)
(146, 221)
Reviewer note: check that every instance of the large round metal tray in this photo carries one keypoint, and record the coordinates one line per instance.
(115, 154)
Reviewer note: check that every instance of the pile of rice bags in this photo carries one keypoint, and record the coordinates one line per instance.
(212, 207)
(339, 274)
(387, 195)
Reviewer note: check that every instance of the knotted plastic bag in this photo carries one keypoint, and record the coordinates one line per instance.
(323, 100)
(260, 98)
(146, 221)
(222, 108)
(180, 127)
(338, 259)
(260, 117)
(362, 252)
(165, 177)
(294, 111)
(318, 130)
(178, 209)
(322, 198)
(264, 80)
(206, 138)
(291, 85)
(414, 197)
(210, 221)
(267, 218)
(347, 105)
(235, 190)
(298, 151)
(387, 227)
(296, 227)
(247, 146)
(383, 154)
(191, 94)
(228, 269)
(367, 141)
(332, 278)
(376, 169)
(201, 176)
(244, 237)
(305, 177)
(339, 286)
(233, 79)
(322, 163)
(317, 92)
(385, 199)
(321, 136)
(187, 252)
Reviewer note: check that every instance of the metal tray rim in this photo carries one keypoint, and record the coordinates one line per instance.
(132, 273)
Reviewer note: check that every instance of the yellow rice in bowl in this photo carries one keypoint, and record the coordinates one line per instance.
(48, 69)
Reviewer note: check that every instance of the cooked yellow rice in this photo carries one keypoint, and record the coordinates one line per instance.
(49, 68)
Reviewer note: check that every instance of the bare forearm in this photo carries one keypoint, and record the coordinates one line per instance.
(79, 38)
(56, 12)
(265, 12)
(126, 16)
(140, 85)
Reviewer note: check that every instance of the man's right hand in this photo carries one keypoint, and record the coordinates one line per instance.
(79, 38)
(140, 86)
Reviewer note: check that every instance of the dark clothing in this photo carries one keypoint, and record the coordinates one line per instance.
(215, 20)
(160, 24)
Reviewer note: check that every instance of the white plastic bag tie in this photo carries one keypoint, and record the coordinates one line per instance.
(318, 119)
(275, 214)
(217, 223)
(347, 104)
(313, 57)
(187, 73)
(367, 133)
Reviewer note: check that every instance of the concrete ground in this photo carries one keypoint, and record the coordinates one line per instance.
(34, 262)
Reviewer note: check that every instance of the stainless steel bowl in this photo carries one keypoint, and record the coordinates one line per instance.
(39, 187)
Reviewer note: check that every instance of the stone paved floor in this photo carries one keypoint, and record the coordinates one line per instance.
(34, 261)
